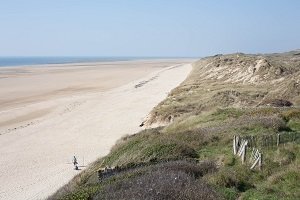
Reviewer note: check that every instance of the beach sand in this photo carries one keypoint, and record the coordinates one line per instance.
(50, 113)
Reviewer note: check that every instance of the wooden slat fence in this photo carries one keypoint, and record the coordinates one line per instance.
(254, 143)
(266, 141)
(256, 159)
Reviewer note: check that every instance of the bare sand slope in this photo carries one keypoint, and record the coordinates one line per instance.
(39, 137)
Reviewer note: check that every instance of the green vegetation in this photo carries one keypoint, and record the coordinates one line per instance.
(192, 157)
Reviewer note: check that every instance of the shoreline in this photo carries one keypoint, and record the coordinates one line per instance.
(95, 62)
(37, 157)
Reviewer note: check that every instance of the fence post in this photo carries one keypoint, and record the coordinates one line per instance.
(234, 145)
(260, 161)
(278, 139)
(244, 153)
(241, 147)
(256, 159)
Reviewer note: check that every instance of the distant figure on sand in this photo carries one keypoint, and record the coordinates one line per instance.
(75, 163)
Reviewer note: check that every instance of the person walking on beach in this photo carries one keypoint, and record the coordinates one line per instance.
(75, 163)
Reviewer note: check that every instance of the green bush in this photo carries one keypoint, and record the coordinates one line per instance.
(237, 178)
(170, 180)
(291, 114)
(151, 145)
(228, 193)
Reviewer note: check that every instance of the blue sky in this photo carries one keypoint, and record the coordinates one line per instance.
(147, 27)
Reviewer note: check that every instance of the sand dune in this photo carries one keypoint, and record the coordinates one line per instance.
(48, 114)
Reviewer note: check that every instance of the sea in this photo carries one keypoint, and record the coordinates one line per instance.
(24, 61)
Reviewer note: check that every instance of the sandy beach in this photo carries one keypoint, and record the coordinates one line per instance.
(50, 113)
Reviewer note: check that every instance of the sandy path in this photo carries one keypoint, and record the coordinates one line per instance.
(35, 156)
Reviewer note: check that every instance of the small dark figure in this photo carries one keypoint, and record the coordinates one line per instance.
(75, 163)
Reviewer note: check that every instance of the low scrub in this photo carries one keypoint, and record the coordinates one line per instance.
(150, 145)
(171, 180)
(237, 177)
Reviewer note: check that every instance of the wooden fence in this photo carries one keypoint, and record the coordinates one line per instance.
(242, 144)
(256, 158)
(266, 141)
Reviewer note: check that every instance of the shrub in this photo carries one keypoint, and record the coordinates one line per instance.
(227, 113)
(150, 145)
(291, 114)
(172, 180)
(233, 178)
(228, 193)
(284, 157)
(277, 103)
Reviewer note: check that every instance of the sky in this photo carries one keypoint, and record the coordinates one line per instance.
(163, 28)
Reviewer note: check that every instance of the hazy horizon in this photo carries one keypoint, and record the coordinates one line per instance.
(147, 28)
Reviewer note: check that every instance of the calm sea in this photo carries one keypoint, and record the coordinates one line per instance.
(20, 61)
